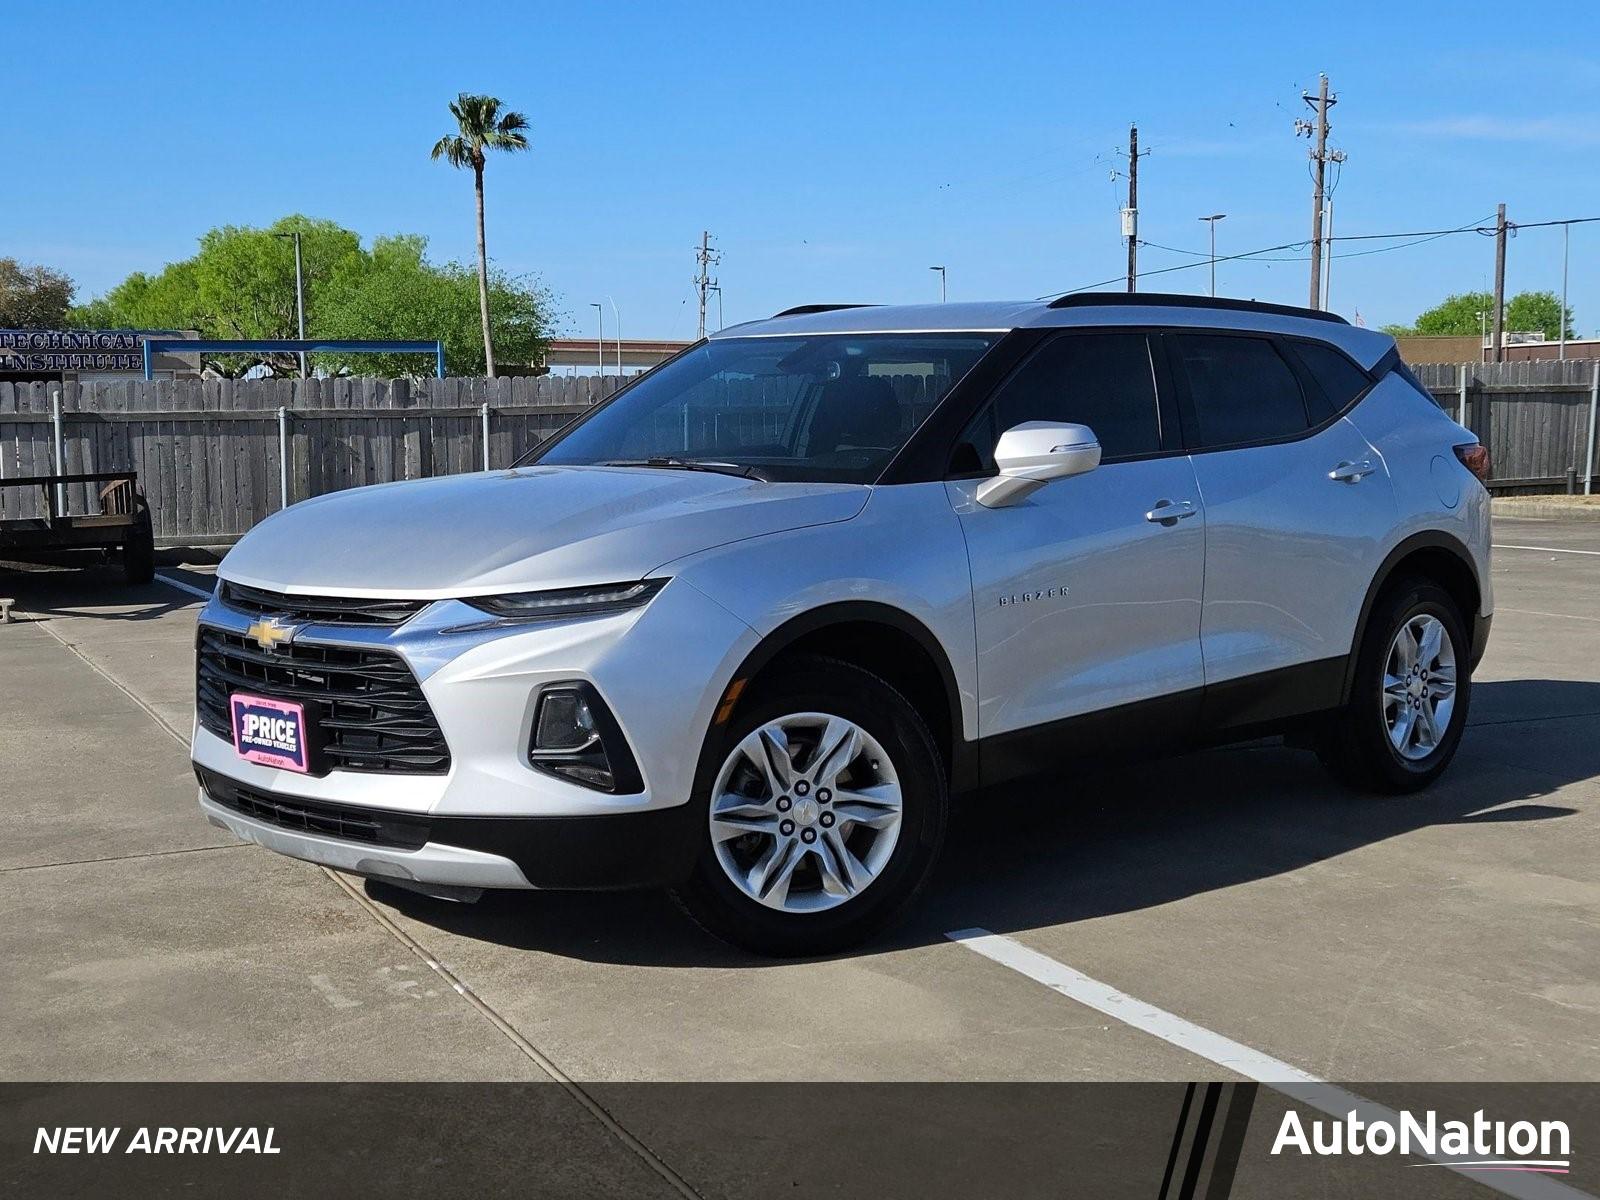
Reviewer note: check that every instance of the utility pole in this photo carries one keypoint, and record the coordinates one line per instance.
(1499, 283)
(1321, 156)
(600, 338)
(1130, 214)
(704, 282)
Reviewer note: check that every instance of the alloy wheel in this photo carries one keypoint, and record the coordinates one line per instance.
(1419, 687)
(805, 812)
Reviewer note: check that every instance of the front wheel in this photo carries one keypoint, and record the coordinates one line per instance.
(1408, 701)
(823, 809)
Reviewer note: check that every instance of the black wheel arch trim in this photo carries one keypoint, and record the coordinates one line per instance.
(1428, 539)
(963, 765)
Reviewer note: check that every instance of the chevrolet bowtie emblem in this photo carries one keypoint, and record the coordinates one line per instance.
(271, 632)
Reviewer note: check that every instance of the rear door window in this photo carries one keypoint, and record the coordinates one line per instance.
(1242, 389)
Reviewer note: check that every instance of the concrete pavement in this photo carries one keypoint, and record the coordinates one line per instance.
(1446, 936)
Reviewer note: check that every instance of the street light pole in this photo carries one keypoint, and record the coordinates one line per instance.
(600, 337)
(300, 300)
(1212, 222)
(1566, 235)
(299, 296)
(942, 295)
(618, 316)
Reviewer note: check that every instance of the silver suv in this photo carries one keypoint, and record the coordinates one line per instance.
(745, 628)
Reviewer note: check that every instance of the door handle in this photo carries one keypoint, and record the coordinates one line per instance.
(1170, 512)
(1352, 472)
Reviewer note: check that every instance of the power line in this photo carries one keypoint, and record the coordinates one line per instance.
(1422, 235)
(1420, 239)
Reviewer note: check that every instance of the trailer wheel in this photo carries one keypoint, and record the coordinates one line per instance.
(139, 551)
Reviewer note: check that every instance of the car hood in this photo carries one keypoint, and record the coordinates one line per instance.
(523, 529)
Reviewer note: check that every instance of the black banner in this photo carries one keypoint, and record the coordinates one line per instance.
(884, 1141)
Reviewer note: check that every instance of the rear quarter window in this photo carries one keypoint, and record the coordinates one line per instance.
(1337, 381)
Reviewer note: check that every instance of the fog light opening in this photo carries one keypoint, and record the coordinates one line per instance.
(576, 738)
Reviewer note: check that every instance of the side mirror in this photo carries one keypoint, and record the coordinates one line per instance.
(1030, 455)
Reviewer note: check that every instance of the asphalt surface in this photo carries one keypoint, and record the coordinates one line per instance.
(1447, 936)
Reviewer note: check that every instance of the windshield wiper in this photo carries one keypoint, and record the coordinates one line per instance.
(692, 464)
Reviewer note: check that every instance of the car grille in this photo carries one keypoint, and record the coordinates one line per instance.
(319, 610)
(370, 712)
(348, 822)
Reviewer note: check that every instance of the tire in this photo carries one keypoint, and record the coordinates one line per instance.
(139, 551)
(826, 902)
(1362, 746)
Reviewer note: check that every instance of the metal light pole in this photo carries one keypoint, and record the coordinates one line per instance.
(618, 316)
(600, 338)
(299, 296)
(1327, 260)
(1483, 336)
(1566, 236)
(1212, 222)
(942, 295)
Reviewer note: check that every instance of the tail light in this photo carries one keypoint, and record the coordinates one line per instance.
(1474, 457)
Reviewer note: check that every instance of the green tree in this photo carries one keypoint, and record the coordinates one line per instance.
(240, 284)
(481, 127)
(1468, 313)
(1538, 311)
(33, 297)
(396, 293)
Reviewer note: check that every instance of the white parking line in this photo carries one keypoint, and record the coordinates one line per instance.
(1298, 1085)
(1547, 549)
(203, 593)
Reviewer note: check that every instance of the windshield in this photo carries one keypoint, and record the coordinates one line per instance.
(824, 408)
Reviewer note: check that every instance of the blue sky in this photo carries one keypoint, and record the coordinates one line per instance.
(836, 150)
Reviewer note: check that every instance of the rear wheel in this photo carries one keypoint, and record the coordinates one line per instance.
(823, 813)
(1408, 702)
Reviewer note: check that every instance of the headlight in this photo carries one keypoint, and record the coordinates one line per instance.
(576, 738)
(568, 602)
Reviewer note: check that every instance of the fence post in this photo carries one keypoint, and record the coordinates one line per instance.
(283, 457)
(1588, 460)
(484, 413)
(1461, 397)
(61, 461)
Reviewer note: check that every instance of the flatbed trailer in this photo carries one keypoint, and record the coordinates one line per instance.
(122, 525)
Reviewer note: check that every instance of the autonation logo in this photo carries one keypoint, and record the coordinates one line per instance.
(1478, 1145)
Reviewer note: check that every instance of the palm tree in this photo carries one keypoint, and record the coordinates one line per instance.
(482, 127)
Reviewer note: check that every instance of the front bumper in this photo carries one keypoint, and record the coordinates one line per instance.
(654, 849)
(492, 820)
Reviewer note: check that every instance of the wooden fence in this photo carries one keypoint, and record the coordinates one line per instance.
(1536, 418)
(209, 452)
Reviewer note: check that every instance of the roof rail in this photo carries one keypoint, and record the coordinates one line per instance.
(801, 310)
(1176, 300)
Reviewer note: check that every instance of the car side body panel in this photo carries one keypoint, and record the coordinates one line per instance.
(1434, 493)
(904, 551)
(1289, 550)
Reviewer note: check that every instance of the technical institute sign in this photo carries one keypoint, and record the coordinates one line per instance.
(71, 350)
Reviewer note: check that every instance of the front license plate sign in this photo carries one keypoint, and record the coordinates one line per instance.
(270, 732)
